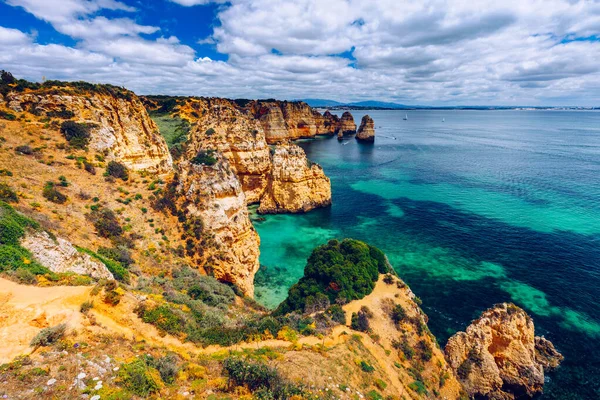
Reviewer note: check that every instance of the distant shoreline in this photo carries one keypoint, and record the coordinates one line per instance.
(472, 108)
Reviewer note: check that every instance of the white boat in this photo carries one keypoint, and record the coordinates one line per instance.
(405, 117)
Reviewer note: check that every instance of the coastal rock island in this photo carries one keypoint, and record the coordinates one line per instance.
(499, 356)
(366, 131)
(347, 125)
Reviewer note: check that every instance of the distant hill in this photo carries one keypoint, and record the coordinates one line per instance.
(359, 104)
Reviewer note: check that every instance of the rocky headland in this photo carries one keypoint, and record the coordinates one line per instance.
(499, 356)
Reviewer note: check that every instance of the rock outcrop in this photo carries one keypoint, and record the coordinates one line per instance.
(330, 124)
(224, 238)
(120, 124)
(366, 131)
(60, 256)
(295, 184)
(347, 125)
(499, 357)
(220, 125)
(284, 120)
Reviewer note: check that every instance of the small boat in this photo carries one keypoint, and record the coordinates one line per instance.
(405, 117)
(443, 119)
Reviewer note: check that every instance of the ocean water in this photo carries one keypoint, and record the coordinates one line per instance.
(486, 207)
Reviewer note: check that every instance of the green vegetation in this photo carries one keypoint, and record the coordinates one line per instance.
(48, 336)
(51, 193)
(7, 194)
(117, 170)
(86, 306)
(418, 387)
(115, 267)
(13, 256)
(426, 352)
(360, 320)
(206, 157)
(106, 223)
(25, 150)
(62, 114)
(7, 115)
(175, 131)
(397, 314)
(263, 381)
(366, 367)
(77, 134)
(140, 378)
(343, 271)
(374, 395)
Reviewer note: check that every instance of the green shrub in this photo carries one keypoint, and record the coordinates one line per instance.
(163, 317)
(418, 387)
(89, 167)
(206, 157)
(167, 366)
(397, 314)
(25, 276)
(62, 113)
(119, 272)
(13, 225)
(117, 170)
(7, 194)
(63, 181)
(210, 132)
(360, 320)
(374, 395)
(344, 271)
(336, 313)
(106, 223)
(263, 381)
(86, 306)
(366, 367)
(7, 115)
(48, 336)
(77, 134)
(5, 172)
(388, 279)
(111, 297)
(381, 385)
(24, 149)
(121, 254)
(52, 194)
(139, 378)
(426, 352)
(408, 351)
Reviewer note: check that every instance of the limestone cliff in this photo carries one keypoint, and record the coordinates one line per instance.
(366, 131)
(215, 211)
(283, 120)
(331, 124)
(295, 184)
(347, 125)
(281, 180)
(61, 256)
(120, 124)
(499, 357)
(220, 125)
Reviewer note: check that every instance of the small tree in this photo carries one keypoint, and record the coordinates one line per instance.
(117, 170)
(7, 77)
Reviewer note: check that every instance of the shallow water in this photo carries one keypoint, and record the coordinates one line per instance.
(486, 207)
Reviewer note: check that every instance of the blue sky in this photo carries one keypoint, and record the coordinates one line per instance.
(435, 52)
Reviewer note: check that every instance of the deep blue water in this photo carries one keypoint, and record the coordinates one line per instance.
(486, 207)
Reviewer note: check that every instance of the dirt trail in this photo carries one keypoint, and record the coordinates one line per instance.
(24, 310)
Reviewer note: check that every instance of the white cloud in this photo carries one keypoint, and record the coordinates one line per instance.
(436, 51)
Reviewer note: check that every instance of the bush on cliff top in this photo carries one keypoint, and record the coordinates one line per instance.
(343, 271)
(77, 134)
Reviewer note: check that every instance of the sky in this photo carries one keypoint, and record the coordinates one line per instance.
(429, 52)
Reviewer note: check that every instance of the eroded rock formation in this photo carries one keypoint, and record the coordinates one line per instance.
(366, 131)
(499, 357)
(225, 239)
(59, 255)
(347, 125)
(295, 184)
(120, 124)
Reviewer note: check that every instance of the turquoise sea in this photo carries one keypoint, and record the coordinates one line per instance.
(486, 207)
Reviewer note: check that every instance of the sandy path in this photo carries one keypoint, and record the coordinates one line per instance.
(24, 310)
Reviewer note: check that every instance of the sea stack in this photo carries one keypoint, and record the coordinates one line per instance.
(347, 125)
(499, 357)
(366, 131)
